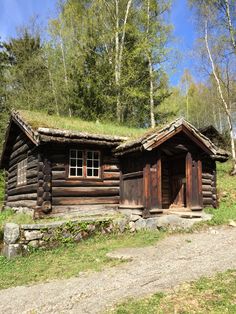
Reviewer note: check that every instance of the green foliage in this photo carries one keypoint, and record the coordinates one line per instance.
(206, 295)
(226, 186)
(65, 262)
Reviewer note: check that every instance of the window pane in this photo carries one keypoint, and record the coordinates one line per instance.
(89, 172)
(96, 155)
(79, 163)
(73, 171)
(80, 154)
(96, 163)
(89, 163)
(73, 162)
(89, 155)
(95, 172)
(79, 172)
(73, 153)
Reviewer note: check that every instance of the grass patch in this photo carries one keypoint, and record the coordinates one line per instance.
(68, 261)
(207, 295)
(226, 187)
(41, 119)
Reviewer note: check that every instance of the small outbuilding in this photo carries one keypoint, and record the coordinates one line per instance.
(170, 168)
(56, 171)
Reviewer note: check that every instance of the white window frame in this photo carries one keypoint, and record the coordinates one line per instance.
(22, 172)
(76, 167)
(92, 167)
(84, 166)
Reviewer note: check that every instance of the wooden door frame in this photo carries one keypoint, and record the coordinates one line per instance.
(190, 193)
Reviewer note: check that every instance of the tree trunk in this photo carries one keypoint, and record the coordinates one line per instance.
(119, 55)
(150, 68)
(224, 103)
(151, 99)
(230, 26)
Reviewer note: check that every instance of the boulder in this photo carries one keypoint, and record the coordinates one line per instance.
(33, 235)
(134, 217)
(11, 233)
(140, 224)
(34, 243)
(169, 221)
(151, 223)
(11, 250)
(121, 223)
(131, 226)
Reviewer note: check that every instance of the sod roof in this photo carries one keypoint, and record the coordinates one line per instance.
(39, 120)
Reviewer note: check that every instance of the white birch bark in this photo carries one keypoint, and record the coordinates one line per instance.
(230, 25)
(150, 68)
(223, 101)
(119, 43)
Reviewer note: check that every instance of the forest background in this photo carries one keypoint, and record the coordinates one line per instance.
(112, 61)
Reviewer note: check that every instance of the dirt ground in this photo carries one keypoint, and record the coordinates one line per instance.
(174, 260)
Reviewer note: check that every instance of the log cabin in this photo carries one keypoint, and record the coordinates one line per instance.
(54, 171)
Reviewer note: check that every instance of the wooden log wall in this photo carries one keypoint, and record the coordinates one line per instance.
(24, 195)
(68, 192)
(44, 195)
(209, 191)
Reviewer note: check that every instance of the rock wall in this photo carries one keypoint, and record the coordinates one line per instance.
(21, 239)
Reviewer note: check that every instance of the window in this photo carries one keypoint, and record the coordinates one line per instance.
(21, 172)
(76, 163)
(92, 164)
(84, 164)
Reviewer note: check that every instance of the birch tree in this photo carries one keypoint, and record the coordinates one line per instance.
(219, 37)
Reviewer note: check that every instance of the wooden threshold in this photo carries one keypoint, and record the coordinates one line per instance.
(131, 206)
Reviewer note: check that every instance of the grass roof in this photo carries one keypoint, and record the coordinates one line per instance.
(39, 119)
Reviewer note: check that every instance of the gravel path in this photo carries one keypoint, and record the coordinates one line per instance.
(172, 261)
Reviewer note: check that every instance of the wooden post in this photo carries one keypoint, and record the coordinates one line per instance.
(146, 190)
(159, 183)
(189, 180)
(200, 197)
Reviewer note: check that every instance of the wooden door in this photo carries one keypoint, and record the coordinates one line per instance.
(193, 182)
(178, 191)
(177, 182)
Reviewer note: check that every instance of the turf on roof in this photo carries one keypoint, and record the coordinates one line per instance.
(40, 119)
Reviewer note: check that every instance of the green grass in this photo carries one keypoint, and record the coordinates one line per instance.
(215, 295)
(226, 188)
(68, 261)
(40, 119)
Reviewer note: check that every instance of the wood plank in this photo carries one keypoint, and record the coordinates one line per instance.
(23, 189)
(146, 190)
(200, 195)
(189, 180)
(109, 167)
(111, 175)
(132, 175)
(159, 180)
(81, 183)
(85, 191)
(22, 203)
(85, 200)
(31, 196)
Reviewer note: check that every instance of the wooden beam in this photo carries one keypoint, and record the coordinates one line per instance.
(159, 183)
(146, 190)
(189, 180)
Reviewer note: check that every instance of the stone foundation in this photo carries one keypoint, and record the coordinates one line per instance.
(21, 239)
